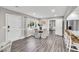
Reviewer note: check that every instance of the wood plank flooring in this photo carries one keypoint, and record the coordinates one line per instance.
(53, 43)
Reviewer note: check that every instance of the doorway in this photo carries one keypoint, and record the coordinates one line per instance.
(52, 26)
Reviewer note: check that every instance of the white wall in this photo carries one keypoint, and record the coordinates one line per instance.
(58, 28)
(2, 23)
(74, 24)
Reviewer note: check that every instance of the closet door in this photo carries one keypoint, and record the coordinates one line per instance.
(13, 23)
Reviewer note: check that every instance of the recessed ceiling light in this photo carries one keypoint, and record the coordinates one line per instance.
(53, 10)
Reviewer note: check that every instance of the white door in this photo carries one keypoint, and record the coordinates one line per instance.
(13, 24)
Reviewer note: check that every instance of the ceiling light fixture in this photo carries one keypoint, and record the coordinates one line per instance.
(53, 10)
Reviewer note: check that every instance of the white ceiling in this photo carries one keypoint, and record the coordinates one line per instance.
(40, 11)
(74, 15)
(76, 11)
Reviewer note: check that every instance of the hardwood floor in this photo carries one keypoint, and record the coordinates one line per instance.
(53, 43)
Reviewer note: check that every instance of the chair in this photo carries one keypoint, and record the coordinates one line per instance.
(67, 41)
(37, 35)
(71, 42)
(45, 33)
(75, 42)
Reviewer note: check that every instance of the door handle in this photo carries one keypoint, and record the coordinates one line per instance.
(8, 26)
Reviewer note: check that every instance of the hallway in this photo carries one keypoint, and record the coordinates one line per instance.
(53, 43)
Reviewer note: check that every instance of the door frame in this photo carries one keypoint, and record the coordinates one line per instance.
(6, 26)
